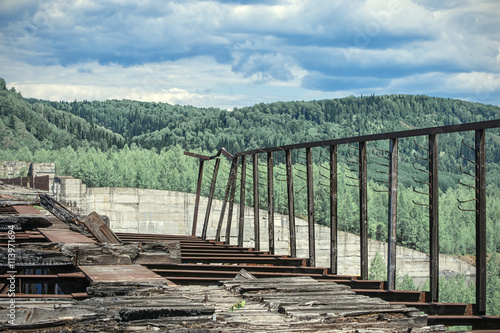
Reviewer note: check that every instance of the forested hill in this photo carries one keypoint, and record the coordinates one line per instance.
(103, 124)
(158, 125)
(38, 125)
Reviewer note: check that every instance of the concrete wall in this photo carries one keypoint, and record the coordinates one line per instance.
(166, 212)
(12, 169)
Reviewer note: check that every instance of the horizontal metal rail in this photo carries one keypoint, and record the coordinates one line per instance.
(382, 136)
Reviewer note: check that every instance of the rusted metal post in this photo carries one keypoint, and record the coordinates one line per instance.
(480, 148)
(231, 202)
(333, 210)
(393, 214)
(291, 204)
(241, 226)
(363, 211)
(256, 217)
(310, 208)
(210, 199)
(270, 201)
(232, 174)
(434, 217)
(197, 199)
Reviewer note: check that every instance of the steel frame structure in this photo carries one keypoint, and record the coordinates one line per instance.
(393, 137)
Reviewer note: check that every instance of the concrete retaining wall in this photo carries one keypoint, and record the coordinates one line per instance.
(166, 212)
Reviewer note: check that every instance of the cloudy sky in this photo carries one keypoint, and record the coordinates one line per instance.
(227, 54)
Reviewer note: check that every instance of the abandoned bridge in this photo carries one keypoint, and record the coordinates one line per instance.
(76, 263)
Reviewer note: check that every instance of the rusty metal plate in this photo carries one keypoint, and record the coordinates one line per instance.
(120, 273)
(27, 210)
(65, 236)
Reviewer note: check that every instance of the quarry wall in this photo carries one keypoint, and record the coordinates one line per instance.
(166, 212)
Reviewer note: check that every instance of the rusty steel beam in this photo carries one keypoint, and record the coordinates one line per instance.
(256, 218)
(232, 174)
(291, 204)
(393, 213)
(210, 199)
(363, 210)
(270, 201)
(480, 159)
(333, 210)
(434, 217)
(310, 207)
(197, 199)
(222, 151)
(383, 136)
(241, 226)
(231, 202)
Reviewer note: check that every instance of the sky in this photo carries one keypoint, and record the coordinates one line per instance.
(228, 54)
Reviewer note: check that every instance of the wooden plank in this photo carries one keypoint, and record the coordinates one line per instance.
(100, 230)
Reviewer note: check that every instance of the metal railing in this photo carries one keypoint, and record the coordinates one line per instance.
(360, 159)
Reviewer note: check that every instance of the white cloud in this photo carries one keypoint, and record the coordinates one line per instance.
(233, 54)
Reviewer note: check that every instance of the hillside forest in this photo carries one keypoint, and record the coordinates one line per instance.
(124, 143)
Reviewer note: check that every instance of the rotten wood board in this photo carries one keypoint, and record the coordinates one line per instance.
(188, 309)
(99, 229)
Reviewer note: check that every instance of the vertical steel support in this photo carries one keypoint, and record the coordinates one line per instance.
(243, 178)
(480, 143)
(256, 217)
(291, 204)
(310, 208)
(210, 199)
(232, 174)
(270, 201)
(434, 217)
(363, 210)
(231, 202)
(197, 200)
(333, 210)
(393, 214)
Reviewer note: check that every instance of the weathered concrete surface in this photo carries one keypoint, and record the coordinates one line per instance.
(167, 212)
